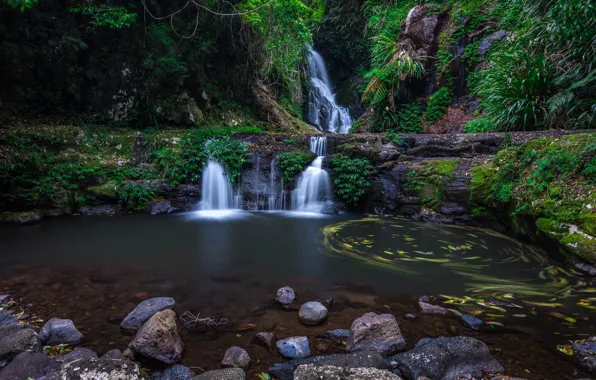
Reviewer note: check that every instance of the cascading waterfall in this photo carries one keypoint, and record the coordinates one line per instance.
(276, 188)
(323, 110)
(313, 190)
(216, 188)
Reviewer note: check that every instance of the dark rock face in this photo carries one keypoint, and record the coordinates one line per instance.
(158, 338)
(29, 365)
(285, 371)
(337, 335)
(293, 348)
(7, 319)
(312, 313)
(92, 369)
(585, 352)
(373, 332)
(447, 358)
(60, 331)
(161, 207)
(265, 339)
(21, 341)
(236, 357)
(175, 372)
(27, 217)
(145, 310)
(312, 372)
(78, 353)
(6, 330)
(285, 296)
(222, 374)
(423, 32)
(487, 42)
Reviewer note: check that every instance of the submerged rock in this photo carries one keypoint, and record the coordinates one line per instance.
(222, 374)
(236, 357)
(94, 369)
(60, 331)
(337, 335)
(312, 313)
(285, 296)
(158, 338)
(145, 310)
(175, 372)
(17, 342)
(585, 352)
(471, 321)
(78, 353)
(112, 354)
(26, 217)
(312, 372)
(7, 318)
(427, 308)
(293, 348)
(28, 365)
(447, 358)
(373, 332)
(265, 339)
(160, 207)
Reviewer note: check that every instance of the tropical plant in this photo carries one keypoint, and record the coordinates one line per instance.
(293, 163)
(111, 16)
(351, 177)
(135, 197)
(438, 104)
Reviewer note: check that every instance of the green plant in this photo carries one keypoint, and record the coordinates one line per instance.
(480, 125)
(111, 16)
(293, 163)
(135, 197)
(22, 5)
(232, 153)
(438, 104)
(351, 177)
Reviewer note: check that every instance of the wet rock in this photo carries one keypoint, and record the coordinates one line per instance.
(17, 342)
(60, 331)
(265, 339)
(7, 318)
(158, 338)
(28, 365)
(585, 352)
(447, 358)
(112, 354)
(145, 310)
(4, 298)
(373, 332)
(236, 357)
(222, 374)
(424, 299)
(6, 330)
(128, 354)
(26, 217)
(330, 302)
(175, 372)
(285, 371)
(485, 44)
(337, 335)
(293, 348)
(285, 296)
(94, 369)
(107, 191)
(410, 316)
(471, 321)
(78, 353)
(160, 207)
(423, 32)
(312, 372)
(427, 308)
(312, 313)
(322, 347)
(99, 210)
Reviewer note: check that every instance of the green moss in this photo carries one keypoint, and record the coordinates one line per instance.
(580, 245)
(108, 190)
(428, 181)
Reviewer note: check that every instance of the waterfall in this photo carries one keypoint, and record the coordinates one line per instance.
(216, 189)
(276, 199)
(323, 110)
(313, 190)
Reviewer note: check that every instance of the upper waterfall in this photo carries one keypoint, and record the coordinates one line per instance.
(323, 110)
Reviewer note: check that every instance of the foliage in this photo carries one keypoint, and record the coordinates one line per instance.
(428, 181)
(230, 152)
(135, 197)
(293, 163)
(22, 5)
(395, 139)
(438, 104)
(111, 16)
(480, 125)
(162, 63)
(351, 177)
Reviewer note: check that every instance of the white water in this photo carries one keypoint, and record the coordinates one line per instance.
(276, 188)
(313, 190)
(216, 189)
(323, 110)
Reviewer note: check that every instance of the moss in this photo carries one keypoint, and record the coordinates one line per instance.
(580, 245)
(108, 190)
(587, 222)
(428, 181)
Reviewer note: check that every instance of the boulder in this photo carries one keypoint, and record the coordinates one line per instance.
(112, 354)
(6, 330)
(285, 296)
(416, 14)
(78, 353)
(7, 318)
(175, 372)
(312, 313)
(158, 338)
(485, 44)
(312, 372)
(60, 331)
(145, 310)
(107, 192)
(265, 339)
(285, 371)
(99, 210)
(471, 321)
(94, 369)
(160, 207)
(337, 335)
(26, 217)
(422, 32)
(447, 359)
(293, 348)
(585, 352)
(182, 110)
(373, 332)
(222, 374)
(17, 342)
(236, 357)
(29, 365)
(427, 308)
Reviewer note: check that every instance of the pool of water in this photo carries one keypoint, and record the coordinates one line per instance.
(95, 269)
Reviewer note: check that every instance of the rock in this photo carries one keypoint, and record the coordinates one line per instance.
(222, 374)
(337, 335)
(312, 372)
(26, 217)
(28, 365)
(423, 32)
(330, 302)
(99, 210)
(158, 338)
(95, 369)
(182, 110)
(175, 372)
(585, 352)
(236, 357)
(7, 318)
(107, 192)
(112, 354)
(424, 299)
(265, 339)
(78, 353)
(60, 331)
(6, 330)
(427, 308)
(410, 316)
(322, 347)
(293, 348)
(4, 298)
(485, 44)
(145, 310)
(312, 313)
(17, 342)
(285, 296)
(128, 354)
(416, 14)
(373, 332)
(285, 371)
(471, 321)
(447, 358)
(160, 207)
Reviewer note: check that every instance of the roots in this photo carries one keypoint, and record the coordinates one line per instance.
(196, 323)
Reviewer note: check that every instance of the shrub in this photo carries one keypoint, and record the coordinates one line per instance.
(480, 125)
(438, 104)
(135, 197)
(351, 178)
(293, 163)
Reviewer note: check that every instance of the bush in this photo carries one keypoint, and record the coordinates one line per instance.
(293, 163)
(135, 197)
(480, 125)
(438, 104)
(351, 178)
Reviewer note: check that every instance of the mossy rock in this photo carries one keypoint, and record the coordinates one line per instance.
(572, 239)
(428, 181)
(108, 190)
(26, 217)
